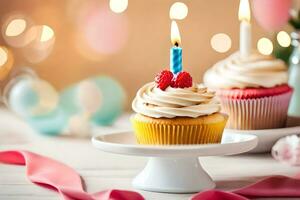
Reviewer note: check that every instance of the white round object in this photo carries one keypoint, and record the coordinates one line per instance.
(267, 137)
(89, 96)
(173, 168)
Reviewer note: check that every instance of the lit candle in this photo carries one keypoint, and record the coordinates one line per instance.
(175, 51)
(245, 28)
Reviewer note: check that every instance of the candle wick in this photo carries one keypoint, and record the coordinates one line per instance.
(176, 44)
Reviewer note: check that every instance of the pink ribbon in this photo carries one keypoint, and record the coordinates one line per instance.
(54, 175)
(274, 186)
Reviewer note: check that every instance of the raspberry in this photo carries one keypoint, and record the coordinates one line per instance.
(183, 80)
(164, 79)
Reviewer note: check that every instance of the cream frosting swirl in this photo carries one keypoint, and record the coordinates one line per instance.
(254, 71)
(175, 102)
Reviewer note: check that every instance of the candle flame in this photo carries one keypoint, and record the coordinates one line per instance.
(175, 34)
(244, 11)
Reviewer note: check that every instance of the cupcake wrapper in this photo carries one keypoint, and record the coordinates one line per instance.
(151, 133)
(259, 113)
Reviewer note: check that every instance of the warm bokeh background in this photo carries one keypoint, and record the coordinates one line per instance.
(140, 35)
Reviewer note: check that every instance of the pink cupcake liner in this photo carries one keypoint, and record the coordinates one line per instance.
(257, 113)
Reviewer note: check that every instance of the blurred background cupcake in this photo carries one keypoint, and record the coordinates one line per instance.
(253, 90)
(252, 84)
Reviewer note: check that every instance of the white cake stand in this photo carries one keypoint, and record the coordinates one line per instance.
(173, 168)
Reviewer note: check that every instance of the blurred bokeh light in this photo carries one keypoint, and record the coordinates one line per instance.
(46, 34)
(221, 42)
(6, 62)
(178, 11)
(15, 27)
(3, 56)
(42, 39)
(265, 46)
(100, 32)
(118, 6)
(283, 39)
(14, 30)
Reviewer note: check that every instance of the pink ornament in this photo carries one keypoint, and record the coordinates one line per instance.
(60, 178)
(271, 14)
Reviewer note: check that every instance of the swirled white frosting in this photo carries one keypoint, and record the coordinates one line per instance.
(254, 71)
(175, 102)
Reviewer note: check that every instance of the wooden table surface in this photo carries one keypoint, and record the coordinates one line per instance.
(104, 170)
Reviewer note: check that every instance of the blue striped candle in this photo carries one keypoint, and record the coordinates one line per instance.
(176, 59)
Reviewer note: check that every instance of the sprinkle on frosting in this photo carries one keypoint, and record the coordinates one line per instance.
(252, 72)
(192, 102)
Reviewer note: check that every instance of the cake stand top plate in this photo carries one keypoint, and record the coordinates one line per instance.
(125, 143)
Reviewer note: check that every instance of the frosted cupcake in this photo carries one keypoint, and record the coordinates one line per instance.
(253, 90)
(174, 110)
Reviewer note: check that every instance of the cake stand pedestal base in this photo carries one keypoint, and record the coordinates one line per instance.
(173, 175)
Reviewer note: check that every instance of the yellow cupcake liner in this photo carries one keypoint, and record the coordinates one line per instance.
(168, 134)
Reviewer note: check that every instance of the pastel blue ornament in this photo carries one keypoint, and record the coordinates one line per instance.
(32, 97)
(22, 98)
(102, 97)
(51, 124)
(37, 102)
(99, 100)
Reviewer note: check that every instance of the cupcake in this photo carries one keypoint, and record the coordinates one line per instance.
(174, 110)
(253, 90)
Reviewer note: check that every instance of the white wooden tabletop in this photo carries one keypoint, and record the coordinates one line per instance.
(104, 170)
